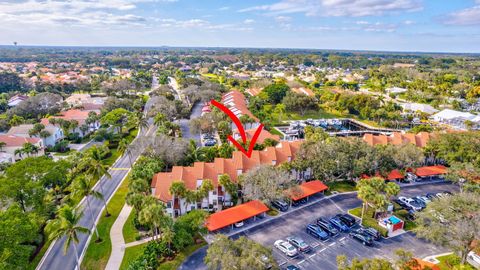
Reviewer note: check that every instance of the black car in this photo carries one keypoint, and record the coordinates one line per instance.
(364, 239)
(292, 267)
(280, 205)
(347, 219)
(317, 232)
(326, 226)
(402, 204)
(431, 196)
(370, 232)
(298, 202)
(421, 203)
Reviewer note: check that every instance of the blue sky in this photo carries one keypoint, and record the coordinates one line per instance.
(393, 25)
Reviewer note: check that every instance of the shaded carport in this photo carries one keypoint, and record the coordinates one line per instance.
(235, 214)
(306, 189)
(431, 171)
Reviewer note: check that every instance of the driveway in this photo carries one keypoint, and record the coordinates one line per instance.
(324, 254)
(184, 123)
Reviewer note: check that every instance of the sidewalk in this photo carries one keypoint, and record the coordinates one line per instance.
(116, 237)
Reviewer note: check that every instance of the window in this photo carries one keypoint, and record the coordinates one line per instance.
(169, 204)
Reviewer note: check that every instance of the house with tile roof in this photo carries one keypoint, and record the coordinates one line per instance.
(264, 134)
(13, 143)
(56, 133)
(17, 99)
(236, 102)
(397, 138)
(193, 176)
(80, 116)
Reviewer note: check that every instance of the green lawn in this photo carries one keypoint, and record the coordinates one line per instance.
(97, 254)
(130, 233)
(175, 263)
(131, 254)
(367, 219)
(452, 261)
(340, 186)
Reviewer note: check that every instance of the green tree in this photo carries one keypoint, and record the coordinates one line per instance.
(240, 254)
(230, 186)
(299, 103)
(276, 92)
(375, 192)
(265, 183)
(452, 222)
(117, 119)
(151, 214)
(205, 189)
(66, 225)
(177, 190)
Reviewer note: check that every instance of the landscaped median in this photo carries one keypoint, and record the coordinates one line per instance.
(97, 254)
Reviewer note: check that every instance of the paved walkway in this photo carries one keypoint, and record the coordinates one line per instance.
(116, 237)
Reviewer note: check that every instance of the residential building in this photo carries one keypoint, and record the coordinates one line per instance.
(56, 133)
(13, 143)
(193, 176)
(235, 101)
(17, 99)
(85, 101)
(76, 115)
(413, 108)
(264, 134)
(421, 139)
(303, 90)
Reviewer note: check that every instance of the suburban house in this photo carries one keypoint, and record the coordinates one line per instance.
(56, 133)
(193, 176)
(421, 139)
(85, 101)
(17, 99)
(13, 143)
(76, 115)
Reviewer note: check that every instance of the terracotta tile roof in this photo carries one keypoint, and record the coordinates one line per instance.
(421, 139)
(308, 188)
(284, 152)
(17, 141)
(264, 134)
(431, 170)
(303, 90)
(235, 214)
(253, 91)
(73, 114)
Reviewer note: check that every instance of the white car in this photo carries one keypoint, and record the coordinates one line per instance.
(286, 248)
(424, 199)
(239, 224)
(411, 203)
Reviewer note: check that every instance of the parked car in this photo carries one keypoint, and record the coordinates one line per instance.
(239, 224)
(299, 202)
(299, 244)
(411, 203)
(347, 219)
(293, 267)
(402, 204)
(326, 226)
(317, 232)
(419, 202)
(440, 195)
(411, 177)
(431, 196)
(337, 223)
(374, 234)
(286, 248)
(424, 199)
(210, 142)
(364, 239)
(280, 205)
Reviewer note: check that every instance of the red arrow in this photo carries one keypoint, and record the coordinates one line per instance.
(240, 128)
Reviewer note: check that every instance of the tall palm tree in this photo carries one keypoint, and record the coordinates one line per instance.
(152, 215)
(142, 122)
(83, 187)
(205, 188)
(178, 190)
(2, 144)
(19, 152)
(159, 118)
(168, 231)
(94, 167)
(65, 224)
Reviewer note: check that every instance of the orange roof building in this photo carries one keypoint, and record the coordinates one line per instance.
(192, 176)
(420, 264)
(431, 171)
(421, 139)
(74, 114)
(235, 214)
(264, 134)
(307, 189)
(236, 102)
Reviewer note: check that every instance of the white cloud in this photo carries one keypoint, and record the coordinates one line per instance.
(350, 8)
(249, 21)
(283, 19)
(198, 24)
(408, 22)
(465, 17)
(224, 8)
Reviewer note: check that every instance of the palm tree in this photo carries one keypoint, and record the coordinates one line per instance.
(66, 225)
(152, 215)
(19, 152)
(178, 190)
(29, 148)
(2, 144)
(94, 167)
(142, 122)
(83, 187)
(168, 231)
(205, 188)
(159, 118)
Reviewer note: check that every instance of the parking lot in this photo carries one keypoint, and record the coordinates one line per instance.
(324, 253)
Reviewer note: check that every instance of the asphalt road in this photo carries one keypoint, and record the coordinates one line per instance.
(55, 259)
(184, 123)
(324, 254)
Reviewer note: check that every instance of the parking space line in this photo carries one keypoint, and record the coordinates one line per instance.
(341, 239)
(280, 264)
(331, 244)
(322, 250)
(315, 245)
(300, 262)
(313, 255)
